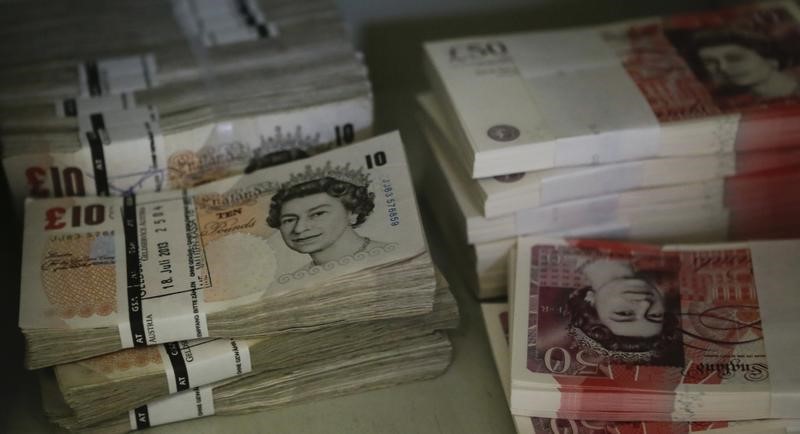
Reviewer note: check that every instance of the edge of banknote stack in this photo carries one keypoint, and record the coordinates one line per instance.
(200, 92)
(634, 197)
(587, 133)
(207, 228)
(364, 320)
(558, 371)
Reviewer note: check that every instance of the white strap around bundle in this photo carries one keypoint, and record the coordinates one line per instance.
(586, 97)
(115, 75)
(200, 362)
(191, 404)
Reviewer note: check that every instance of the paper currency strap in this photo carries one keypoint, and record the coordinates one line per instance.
(214, 23)
(136, 128)
(222, 22)
(727, 318)
(621, 85)
(165, 279)
(133, 272)
(98, 158)
(117, 75)
(121, 150)
(71, 107)
(203, 361)
(190, 404)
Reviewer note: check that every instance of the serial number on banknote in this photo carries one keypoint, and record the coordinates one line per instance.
(391, 202)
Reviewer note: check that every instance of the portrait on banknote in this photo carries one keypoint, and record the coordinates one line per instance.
(308, 221)
(662, 318)
(318, 211)
(613, 309)
(622, 314)
(750, 59)
(703, 64)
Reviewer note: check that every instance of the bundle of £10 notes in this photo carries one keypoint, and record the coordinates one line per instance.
(293, 282)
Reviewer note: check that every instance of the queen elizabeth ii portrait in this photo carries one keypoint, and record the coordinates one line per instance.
(625, 316)
(741, 67)
(318, 211)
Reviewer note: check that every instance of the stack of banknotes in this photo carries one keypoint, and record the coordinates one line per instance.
(683, 128)
(198, 239)
(688, 338)
(99, 99)
(294, 282)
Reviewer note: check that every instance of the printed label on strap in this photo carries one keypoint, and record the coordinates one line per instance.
(222, 22)
(204, 361)
(133, 271)
(126, 150)
(118, 125)
(160, 240)
(117, 75)
(73, 107)
(191, 404)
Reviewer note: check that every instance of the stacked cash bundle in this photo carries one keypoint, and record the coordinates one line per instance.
(496, 319)
(603, 330)
(95, 392)
(335, 238)
(411, 359)
(636, 130)
(650, 88)
(153, 95)
(296, 282)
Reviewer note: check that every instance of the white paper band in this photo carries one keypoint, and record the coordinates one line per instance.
(121, 151)
(559, 217)
(117, 75)
(73, 107)
(165, 273)
(597, 115)
(221, 22)
(194, 403)
(589, 182)
(135, 124)
(200, 362)
(166, 329)
(548, 53)
(562, 98)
